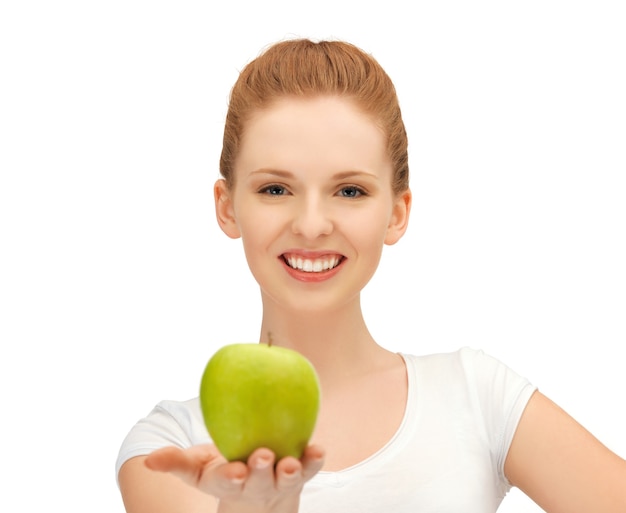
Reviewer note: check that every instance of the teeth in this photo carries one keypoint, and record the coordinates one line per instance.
(312, 266)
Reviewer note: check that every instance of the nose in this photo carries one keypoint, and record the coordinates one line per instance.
(312, 218)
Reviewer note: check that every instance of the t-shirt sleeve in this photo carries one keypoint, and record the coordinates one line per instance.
(501, 395)
(170, 423)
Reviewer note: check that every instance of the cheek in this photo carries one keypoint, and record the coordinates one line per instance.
(251, 216)
(368, 226)
(258, 229)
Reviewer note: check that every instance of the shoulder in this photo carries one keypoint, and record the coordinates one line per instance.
(477, 383)
(182, 417)
(186, 413)
(466, 363)
(469, 368)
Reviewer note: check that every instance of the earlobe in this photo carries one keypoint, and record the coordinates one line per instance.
(224, 210)
(399, 218)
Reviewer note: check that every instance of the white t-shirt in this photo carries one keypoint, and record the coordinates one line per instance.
(446, 457)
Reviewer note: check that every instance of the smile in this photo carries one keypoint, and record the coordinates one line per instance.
(312, 265)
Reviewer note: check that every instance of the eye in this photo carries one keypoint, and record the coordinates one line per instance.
(351, 191)
(273, 190)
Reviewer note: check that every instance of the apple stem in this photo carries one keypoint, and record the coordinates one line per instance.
(269, 339)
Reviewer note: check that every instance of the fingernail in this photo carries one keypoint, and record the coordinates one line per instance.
(263, 462)
(290, 472)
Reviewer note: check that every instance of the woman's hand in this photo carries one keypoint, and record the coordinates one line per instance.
(260, 485)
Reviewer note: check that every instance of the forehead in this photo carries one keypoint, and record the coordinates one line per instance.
(332, 110)
(326, 131)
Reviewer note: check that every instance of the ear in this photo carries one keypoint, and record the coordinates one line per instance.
(399, 218)
(224, 210)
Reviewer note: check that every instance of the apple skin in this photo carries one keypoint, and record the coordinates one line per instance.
(256, 395)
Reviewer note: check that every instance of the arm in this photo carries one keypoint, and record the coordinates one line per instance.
(561, 466)
(199, 480)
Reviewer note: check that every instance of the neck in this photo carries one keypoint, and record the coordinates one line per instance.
(337, 343)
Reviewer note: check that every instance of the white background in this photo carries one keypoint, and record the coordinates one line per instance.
(116, 284)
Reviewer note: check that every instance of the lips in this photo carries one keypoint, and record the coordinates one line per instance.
(312, 268)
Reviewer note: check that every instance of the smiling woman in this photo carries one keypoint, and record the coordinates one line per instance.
(315, 183)
(313, 179)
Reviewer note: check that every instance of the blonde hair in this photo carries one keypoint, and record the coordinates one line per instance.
(301, 68)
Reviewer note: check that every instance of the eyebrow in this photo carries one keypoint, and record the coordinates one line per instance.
(342, 175)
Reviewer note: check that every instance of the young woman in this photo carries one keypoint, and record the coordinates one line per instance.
(315, 183)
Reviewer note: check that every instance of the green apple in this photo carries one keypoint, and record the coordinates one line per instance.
(256, 395)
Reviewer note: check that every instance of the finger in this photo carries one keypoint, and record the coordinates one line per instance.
(202, 467)
(260, 480)
(291, 474)
(188, 464)
(312, 461)
(224, 480)
(170, 459)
